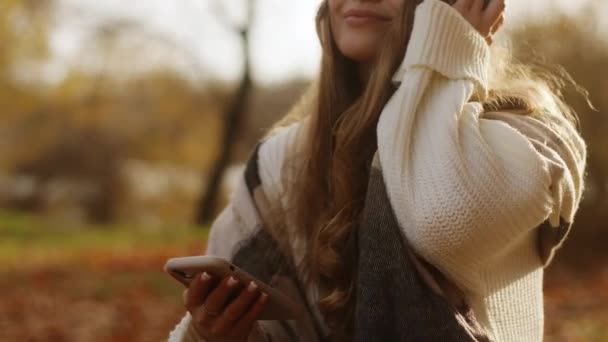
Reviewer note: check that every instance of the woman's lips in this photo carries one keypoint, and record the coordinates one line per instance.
(358, 17)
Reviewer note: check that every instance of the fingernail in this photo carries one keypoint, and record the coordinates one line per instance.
(205, 277)
(232, 282)
(263, 298)
(252, 287)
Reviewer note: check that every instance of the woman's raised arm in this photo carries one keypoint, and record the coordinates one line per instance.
(465, 190)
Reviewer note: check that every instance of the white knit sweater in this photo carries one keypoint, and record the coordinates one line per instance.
(467, 189)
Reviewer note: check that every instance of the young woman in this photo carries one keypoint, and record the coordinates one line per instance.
(480, 157)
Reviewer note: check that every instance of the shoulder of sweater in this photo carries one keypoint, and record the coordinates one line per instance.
(276, 147)
(273, 153)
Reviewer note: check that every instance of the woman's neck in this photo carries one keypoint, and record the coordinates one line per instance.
(365, 69)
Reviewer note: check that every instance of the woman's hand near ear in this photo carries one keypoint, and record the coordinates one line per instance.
(486, 21)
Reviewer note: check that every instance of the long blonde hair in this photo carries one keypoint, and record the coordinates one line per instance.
(327, 189)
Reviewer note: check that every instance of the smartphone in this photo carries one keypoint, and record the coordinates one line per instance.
(279, 305)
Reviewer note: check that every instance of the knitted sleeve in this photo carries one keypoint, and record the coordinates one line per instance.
(229, 229)
(224, 234)
(275, 152)
(226, 231)
(185, 332)
(466, 188)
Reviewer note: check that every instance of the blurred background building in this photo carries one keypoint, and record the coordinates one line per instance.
(123, 125)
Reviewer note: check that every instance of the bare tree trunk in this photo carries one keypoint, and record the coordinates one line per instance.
(233, 119)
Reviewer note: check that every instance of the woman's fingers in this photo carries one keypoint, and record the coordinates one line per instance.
(216, 300)
(498, 24)
(495, 9)
(196, 293)
(486, 21)
(477, 6)
(236, 309)
(463, 6)
(246, 322)
(224, 308)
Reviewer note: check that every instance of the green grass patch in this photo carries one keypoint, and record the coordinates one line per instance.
(34, 239)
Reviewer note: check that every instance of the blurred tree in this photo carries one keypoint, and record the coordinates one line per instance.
(23, 43)
(233, 118)
(83, 129)
(23, 33)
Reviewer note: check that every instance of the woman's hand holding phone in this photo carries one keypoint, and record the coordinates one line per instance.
(223, 309)
(225, 301)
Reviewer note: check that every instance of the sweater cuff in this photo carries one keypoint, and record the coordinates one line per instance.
(184, 331)
(443, 40)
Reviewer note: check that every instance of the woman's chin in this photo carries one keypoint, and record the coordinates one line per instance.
(359, 51)
(359, 56)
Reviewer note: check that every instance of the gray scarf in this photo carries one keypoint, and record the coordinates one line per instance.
(399, 297)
